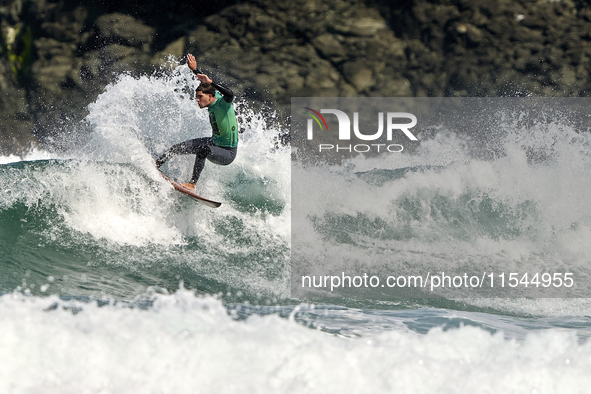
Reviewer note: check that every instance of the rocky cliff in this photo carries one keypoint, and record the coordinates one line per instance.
(56, 56)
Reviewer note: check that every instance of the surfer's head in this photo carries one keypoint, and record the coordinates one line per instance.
(205, 94)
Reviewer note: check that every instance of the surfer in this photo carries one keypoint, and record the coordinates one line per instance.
(222, 146)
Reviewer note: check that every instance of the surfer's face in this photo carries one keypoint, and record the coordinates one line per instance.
(204, 99)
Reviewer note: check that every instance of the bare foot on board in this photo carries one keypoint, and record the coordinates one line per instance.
(190, 186)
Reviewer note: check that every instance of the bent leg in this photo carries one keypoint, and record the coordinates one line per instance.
(203, 148)
(213, 153)
(184, 148)
(202, 152)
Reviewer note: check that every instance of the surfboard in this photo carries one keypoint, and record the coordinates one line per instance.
(190, 193)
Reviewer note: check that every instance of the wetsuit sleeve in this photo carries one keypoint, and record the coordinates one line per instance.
(227, 93)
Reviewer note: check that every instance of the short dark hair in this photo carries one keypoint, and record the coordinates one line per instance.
(206, 88)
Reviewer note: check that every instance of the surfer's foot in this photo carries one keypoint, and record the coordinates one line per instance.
(190, 186)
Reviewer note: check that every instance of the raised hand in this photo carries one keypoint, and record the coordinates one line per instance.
(191, 62)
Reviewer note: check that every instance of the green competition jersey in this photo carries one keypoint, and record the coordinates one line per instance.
(223, 123)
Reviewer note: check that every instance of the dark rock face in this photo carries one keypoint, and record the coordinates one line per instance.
(276, 51)
(500, 47)
(56, 56)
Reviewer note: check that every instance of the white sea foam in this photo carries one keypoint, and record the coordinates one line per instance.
(185, 344)
(135, 118)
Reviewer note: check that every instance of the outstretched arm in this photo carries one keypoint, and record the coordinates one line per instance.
(226, 93)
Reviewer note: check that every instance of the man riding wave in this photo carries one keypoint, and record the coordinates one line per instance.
(222, 146)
